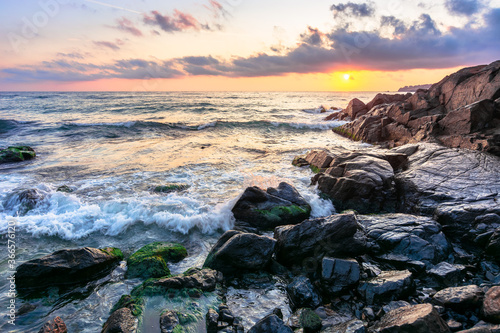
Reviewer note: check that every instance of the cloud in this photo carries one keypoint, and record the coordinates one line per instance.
(464, 7)
(353, 9)
(312, 36)
(398, 25)
(110, 45)
(124, 24)
(179, 21)
(73, 55)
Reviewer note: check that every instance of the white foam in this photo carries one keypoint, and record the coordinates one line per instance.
(212, 124)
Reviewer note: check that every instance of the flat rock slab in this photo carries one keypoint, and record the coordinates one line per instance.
(388, 286)
(408, 237)
(460, 298)
(422, 318)
(203, 279)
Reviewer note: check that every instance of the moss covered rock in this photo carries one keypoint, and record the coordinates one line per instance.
(16, 154)
(309, 321)
(168, 188)
(151, 260)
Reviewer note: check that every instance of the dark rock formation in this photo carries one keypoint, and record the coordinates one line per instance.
(414, 88)
(237, 252)
(169, 188)
(16, 154)
(56, 325)
(121, 321)
(67, 267)
(303, 293)
(351, 326)
(268, 209)
(493, 247)
(311, 240)
(460, 298)
(422, 318)
(491, 305)
(270, 323)
(388, 286)
(338, 274)
(447, 274)
(150, 261)
(459, 111)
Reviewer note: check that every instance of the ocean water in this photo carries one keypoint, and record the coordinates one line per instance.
(112, 149)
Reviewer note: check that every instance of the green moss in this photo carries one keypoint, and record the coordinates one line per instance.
(309, 320)
(279, 214)
(315, 169)
(178, 329)
(16, 154)
(135, 304)
(170, 188)
(346, 133)
(151, 260)
(113, 251)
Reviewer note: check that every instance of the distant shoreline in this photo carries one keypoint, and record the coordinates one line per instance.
(414, 88)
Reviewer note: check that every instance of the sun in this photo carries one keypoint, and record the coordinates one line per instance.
(347, 76)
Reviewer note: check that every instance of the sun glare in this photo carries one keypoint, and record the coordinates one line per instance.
(347, 76)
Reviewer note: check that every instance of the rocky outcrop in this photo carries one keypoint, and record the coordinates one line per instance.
(56, 325)
(460, 298)
(150, 261)
(459, 111)
(311, 240)
(67, 267)
(237, 252)
(16, 154)
(121, 321)
(195, 278)
(422, 318)
(267, 209)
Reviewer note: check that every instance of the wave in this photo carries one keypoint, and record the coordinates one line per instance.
(7, 125)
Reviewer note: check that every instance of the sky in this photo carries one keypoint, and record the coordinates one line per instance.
(241, 45)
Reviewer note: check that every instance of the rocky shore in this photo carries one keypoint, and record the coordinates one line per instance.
(415, 246)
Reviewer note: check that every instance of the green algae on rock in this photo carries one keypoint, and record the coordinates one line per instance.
(168, 188)
(150, 261)
(16, 154)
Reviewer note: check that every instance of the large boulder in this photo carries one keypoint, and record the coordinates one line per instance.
(267, 209)
(356, 108)
(16, 154)
(150, 261)
(67, 267)
(237, 252)
(311, 240)
(421, 318)
(387, 286)
(402, 238)
(460, 298)
(121, 321)
(338, 274)
(270, 323)
(491, 305)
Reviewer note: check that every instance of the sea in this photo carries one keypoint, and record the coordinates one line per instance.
(111, 149)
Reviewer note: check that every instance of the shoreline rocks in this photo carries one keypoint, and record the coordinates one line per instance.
(150, 261)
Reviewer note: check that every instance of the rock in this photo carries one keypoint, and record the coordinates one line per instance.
(339, 273)
(387, 99)
(67, 267)
(169, 188)
(168, 321)
(303, 294)
(29, 199)
(454, 325)
(237, 252)
(315, 238)
(483, 329)
(460, 298)
(309, 321)
(422, 318)
(120, 321)
(468, 119)
(195, 278)
(394, 305)
(351, 326)
(150, 261)
(265, 210)
(355, 109)
(270, 323)
(56, 325)
(447, 274)
(211, 320)
(405, 238)
(388, 286)
(16, 154)
(491, 305)
(318, 160)
(493, 247)
(64, 189)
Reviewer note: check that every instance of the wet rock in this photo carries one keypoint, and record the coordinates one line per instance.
(237, 252)
(268, 209)
(339, 273)
(309, 321)
(447, 274)
(211, 320)
(16, 154)
(422, 318)
(56, 325)
(405, 238)
(64, 189)
(460, 298)
(388, 286)
(169, 188)
(313, 239)
(168, 321)
(150, 261)
(493, 247)
(303, 294)
(26, 200)
(67, 267)
(394, 305)
(195, 278)
(121, 321)
(270, 323)
(491, 305)
(351, 326)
